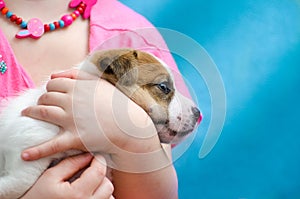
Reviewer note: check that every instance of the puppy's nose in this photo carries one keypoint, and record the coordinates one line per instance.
(197, 114)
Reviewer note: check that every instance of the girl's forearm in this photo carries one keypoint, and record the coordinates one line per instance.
(146, 176)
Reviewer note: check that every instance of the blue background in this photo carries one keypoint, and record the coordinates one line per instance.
(256, 46)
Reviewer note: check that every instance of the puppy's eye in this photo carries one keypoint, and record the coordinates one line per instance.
(164, 88)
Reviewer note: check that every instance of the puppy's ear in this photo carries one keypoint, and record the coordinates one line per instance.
(105, 66)
(122, 67)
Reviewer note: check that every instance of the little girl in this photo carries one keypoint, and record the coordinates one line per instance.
(39, 37)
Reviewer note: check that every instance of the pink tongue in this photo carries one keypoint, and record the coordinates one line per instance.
(200, 119)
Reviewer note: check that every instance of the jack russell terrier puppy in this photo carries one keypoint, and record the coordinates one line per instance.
(145, 79)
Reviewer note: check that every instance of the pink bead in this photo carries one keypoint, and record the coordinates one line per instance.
(68, 20)
(2, 4)
(77, 13)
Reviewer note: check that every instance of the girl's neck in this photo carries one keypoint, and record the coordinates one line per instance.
(55, 51)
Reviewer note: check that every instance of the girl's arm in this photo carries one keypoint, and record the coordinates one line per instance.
(160, 181)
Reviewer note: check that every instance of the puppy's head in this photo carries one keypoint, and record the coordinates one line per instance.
(147, 81)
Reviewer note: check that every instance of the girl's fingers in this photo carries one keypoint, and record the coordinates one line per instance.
(63, 85)
(53, 114)
(93, 176)
(70, 166)
(55, 99)
(105, 190)
(62, 142)
(74, 74)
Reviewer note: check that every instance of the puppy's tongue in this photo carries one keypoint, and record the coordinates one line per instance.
(199, 119)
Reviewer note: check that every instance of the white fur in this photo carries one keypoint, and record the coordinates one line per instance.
(18, 133)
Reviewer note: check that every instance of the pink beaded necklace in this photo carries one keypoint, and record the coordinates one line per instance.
(35, 28)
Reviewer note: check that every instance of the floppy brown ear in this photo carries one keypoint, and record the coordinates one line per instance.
(105, 66)
(122, 67)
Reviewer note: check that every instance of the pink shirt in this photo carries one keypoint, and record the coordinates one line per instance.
(112, 25)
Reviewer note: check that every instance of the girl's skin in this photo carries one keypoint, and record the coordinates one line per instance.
(55, 52)
(91, 184)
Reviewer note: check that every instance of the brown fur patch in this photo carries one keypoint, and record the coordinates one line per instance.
(138, 75)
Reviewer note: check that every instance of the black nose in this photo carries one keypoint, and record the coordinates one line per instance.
(196, 113)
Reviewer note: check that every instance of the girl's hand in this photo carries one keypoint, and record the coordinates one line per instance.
(91, 184)
(95, 117)
(55, 106)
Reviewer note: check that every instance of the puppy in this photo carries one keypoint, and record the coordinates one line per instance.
(142, 77)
